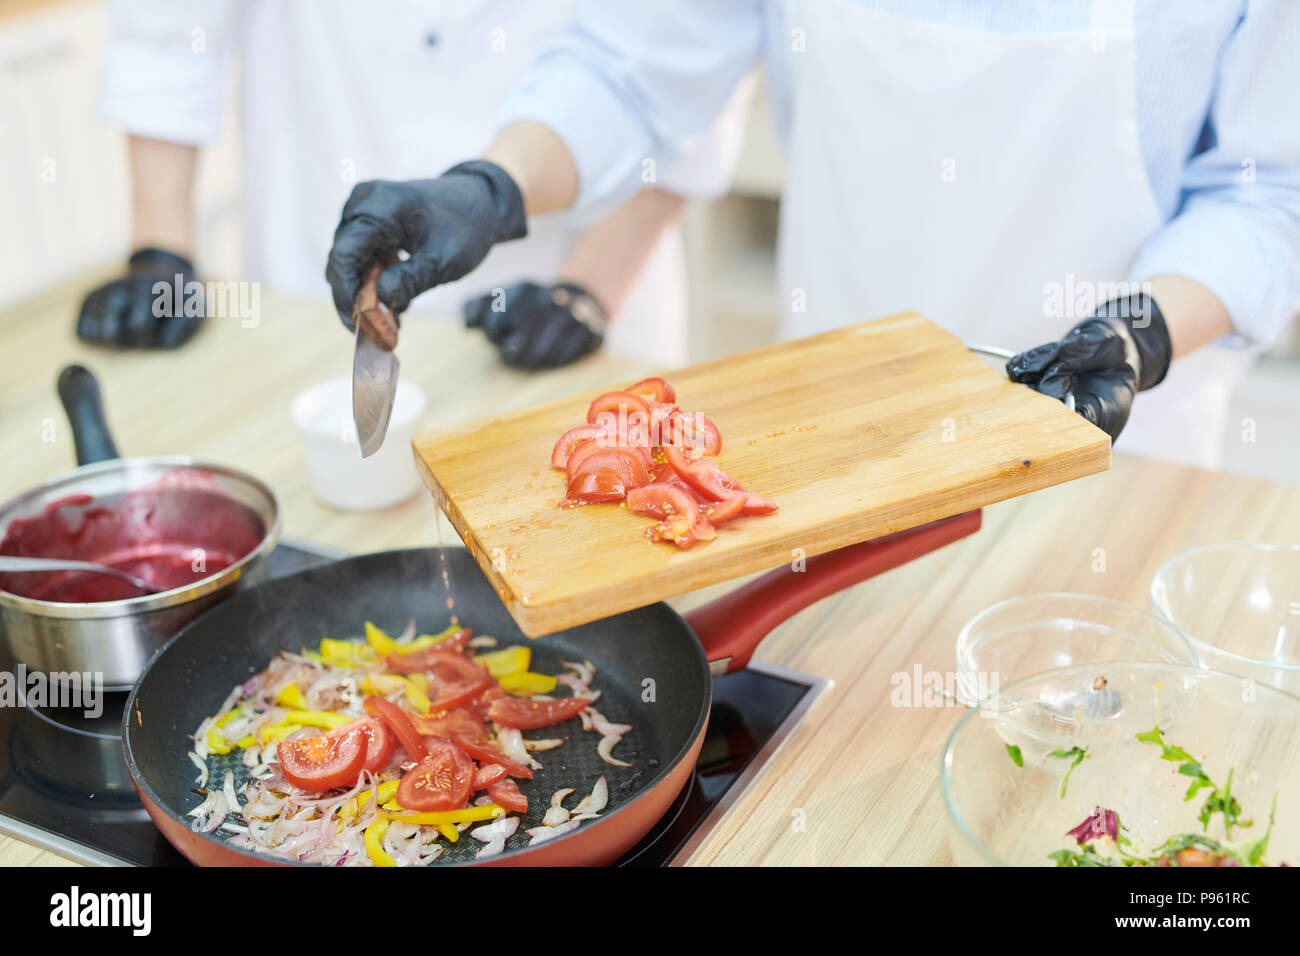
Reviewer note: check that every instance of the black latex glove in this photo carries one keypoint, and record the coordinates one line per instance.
(127, 313)
(1102, 362)
(539, 326)
(446, 225)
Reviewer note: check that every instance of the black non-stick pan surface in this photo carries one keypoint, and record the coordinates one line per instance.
(650, 669)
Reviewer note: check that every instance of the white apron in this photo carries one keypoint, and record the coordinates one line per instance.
(966, 176)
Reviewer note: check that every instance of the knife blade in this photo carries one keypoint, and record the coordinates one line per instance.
(374, 365)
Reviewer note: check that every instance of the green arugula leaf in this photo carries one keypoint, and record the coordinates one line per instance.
(1016, 758)
(1079, 754)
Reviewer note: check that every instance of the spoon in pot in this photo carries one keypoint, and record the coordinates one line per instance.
(17, 565)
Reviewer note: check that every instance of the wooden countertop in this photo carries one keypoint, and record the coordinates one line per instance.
(857, 783)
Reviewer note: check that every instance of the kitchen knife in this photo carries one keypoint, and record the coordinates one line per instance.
(374, 366)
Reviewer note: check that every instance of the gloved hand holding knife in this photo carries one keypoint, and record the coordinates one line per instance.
(446, 226)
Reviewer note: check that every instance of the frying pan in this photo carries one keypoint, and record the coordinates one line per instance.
(653, 667)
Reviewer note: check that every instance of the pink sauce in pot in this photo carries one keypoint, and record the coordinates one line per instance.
(171, 534)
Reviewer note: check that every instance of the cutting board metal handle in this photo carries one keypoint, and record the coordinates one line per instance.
(731, 627)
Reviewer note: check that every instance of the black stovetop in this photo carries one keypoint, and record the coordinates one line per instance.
(64, 783)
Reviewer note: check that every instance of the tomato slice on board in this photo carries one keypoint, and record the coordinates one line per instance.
(601, 485)
(399, 723)
(527, 714)
(506, 792)
(449, 723)
(488, 754)
(570, 440)
(589, 450)
(695, 431)
(662, 499)
(710, 481)
(415, 662)
(489, 774)
(654, 390)
(326, 760)
(724, 511)
(619, 404)
(441, 781)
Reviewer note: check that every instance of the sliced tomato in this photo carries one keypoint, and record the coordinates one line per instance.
(624, 405)
(654, 390)
(662, 499)
(526, 714)
(696, 432)
(381, 744)
(483, 703)
(489, 774)
(599, 485)
(506, 792)
(486, 753)
(593, 449)
(449, 723)
(441, 781)
(571, 440)
(455, 680)
(708, 480)
(326, 760)
(399, 723)
(416, 662)
(724, 511)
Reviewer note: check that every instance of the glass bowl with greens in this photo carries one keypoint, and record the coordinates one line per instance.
(1190, 767)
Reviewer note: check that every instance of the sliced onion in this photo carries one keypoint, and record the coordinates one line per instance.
(605, 727)
(202, 780)
(595, 801)
(542, 834)
(549, 744)
(606, 745)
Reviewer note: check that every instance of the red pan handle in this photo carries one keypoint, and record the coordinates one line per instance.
(731, 627)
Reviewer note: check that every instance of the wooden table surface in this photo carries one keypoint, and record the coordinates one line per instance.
(857, 783)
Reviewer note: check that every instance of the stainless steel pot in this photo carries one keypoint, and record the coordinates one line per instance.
(116, 638)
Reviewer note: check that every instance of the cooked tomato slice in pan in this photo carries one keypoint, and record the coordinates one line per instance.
(506, 792)
(449, 723)
(441, 781)
(527, 714)
(489, 774)
(485, 752)
(380, 749)
(425, 659)
(326, 760)
(399, 723)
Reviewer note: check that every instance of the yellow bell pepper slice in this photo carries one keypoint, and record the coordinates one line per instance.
(381, 642)
(383, 683)
(419, 681)
(277, 732)
(417, 699)
(217, 743)
(325, 719)
(449, 831)
(247, 741)
(526, 683)
(508, 660)
(345, 653)
(375, 845)
(437, 818)
(290, 696)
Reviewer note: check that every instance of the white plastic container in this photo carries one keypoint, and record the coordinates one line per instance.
(338, 474)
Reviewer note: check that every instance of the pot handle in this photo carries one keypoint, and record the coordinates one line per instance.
(79, 392)
(731, 627)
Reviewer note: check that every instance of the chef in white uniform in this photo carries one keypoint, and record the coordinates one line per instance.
(1103, 186)
(335, 92)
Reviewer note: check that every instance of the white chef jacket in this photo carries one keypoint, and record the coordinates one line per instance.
(1213, 100)
(336, 92)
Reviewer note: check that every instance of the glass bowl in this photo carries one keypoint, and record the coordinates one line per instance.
(1239, 605)
(1041, 632)
(1004, 814)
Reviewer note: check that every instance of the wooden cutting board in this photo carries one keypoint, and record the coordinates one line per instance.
(855, 433)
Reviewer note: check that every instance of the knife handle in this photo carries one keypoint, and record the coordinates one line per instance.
(374, 318)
